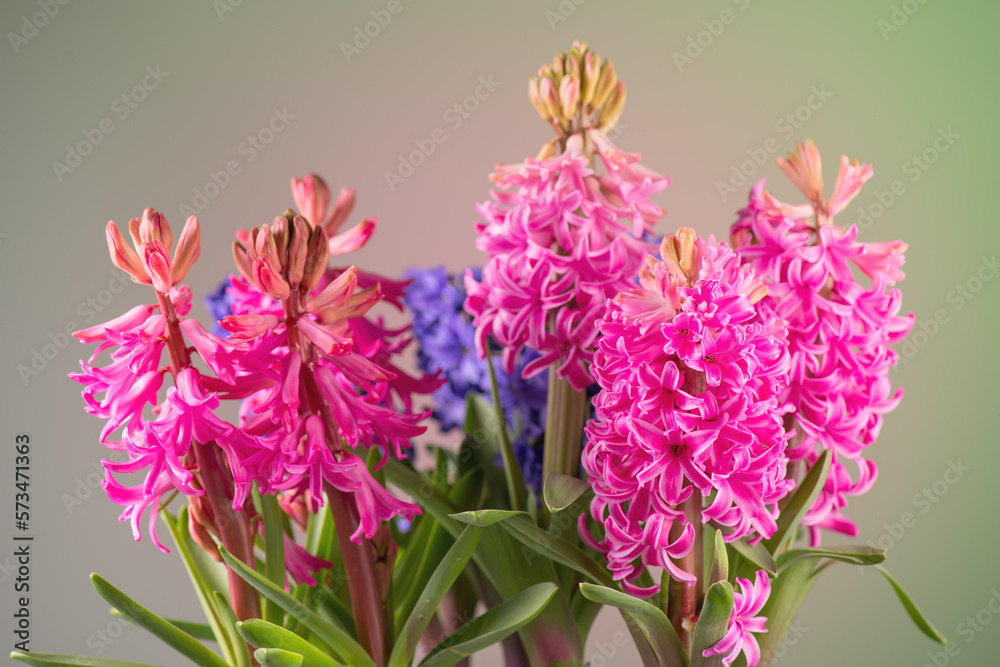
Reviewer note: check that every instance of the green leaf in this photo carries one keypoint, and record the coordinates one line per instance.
(228, 617)
(712, 624)
(274, 550)
(480, 448)
(795, 510)
(560, 491)
(423, 493)
(788, 591)
(261, 634)
(757, 554)
(651, 621)
(483, 518)
(911, 608)
(854, 554)
(171, 635)
(51, 659)
(196, 630)
(720, 561)
(341, 642)
(557, 549)
(495, 625)
(182, 539)
(276, 657)
(437, 587)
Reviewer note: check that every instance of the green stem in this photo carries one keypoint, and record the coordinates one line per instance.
(566, 413)
(512, 470)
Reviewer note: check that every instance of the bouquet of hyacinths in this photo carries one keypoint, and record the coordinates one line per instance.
(666, 427)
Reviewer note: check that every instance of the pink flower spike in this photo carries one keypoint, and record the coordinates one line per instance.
(124, 256)
(850, 178)
(188, 249)
(744, 622)
(156, 261)
(353, 239)
(312, 198)
(804, 168)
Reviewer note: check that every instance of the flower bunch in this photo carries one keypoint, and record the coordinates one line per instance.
(839, 330)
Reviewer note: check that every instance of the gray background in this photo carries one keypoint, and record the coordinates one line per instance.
(891, 92)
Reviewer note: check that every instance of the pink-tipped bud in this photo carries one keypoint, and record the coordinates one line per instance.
(242, 260)
(298, 250)
(316, 259)
(569, 96)
(269, 281)
(267, 248)
(605, 84)
(123, 256)
(188, 249)
(558, 64)
(341, 209)
(805, 169)
(550, 96)
(679, 253)
(312, 197)
(156, 261)
(536, 99)
(154, 227)
(613, 109)
(280, 230)
(591, 73)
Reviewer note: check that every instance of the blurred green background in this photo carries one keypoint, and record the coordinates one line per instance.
(909, 86)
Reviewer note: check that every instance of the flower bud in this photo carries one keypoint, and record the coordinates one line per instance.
(569, 96)
(154, 227)
(316, 259)
(269, 281)
(242, 260)
(188, 249)
(536, 99)
(312, 197)
(613, 109)
(280, 230)
(605, 85)
(591, 73)
(123, 256)
(550, 96)
(156, 261)
(298, 250)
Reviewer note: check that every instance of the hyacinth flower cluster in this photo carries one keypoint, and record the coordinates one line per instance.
(316, 380)
(562, 238)
(446, 338)
(691, 376)
(839, 329)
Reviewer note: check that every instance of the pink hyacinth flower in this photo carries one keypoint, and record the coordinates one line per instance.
(744, 622)
(690, 377)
